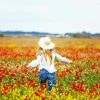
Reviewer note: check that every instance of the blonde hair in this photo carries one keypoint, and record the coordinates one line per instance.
(47, 53)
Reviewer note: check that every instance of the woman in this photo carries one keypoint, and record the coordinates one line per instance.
(45, 59)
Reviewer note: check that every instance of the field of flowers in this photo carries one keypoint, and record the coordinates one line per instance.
(77, 81)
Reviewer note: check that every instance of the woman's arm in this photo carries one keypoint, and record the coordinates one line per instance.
(35, 62)
(60, 58)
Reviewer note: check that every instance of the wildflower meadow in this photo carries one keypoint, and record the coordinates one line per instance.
(77, 81)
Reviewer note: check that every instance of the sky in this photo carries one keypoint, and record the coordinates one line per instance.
(55, 16)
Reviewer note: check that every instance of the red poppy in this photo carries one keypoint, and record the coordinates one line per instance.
(6, 88)
(74, 86)
(93, 66)
(37, 94)
(68, 71)
(66, 94)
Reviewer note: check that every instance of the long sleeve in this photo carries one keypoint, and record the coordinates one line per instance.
(60, 58)
(35, 62)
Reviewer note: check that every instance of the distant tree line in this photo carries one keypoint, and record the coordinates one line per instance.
(80, 35)
(85, 35)
(1, 34)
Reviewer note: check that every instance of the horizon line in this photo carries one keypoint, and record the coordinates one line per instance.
(49, 32)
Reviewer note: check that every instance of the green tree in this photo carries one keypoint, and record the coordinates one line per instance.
(1, 34)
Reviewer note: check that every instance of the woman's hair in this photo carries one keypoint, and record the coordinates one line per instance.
(47, 53)
(40, 49)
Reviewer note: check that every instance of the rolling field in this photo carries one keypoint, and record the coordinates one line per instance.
(77, 81)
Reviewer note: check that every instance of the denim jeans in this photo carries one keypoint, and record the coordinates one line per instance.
(44, 76)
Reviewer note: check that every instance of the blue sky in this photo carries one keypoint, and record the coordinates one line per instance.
(55, 16)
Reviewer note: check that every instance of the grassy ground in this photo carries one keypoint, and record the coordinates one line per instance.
(60, 42)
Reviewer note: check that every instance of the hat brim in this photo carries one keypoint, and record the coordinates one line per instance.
(47, 47)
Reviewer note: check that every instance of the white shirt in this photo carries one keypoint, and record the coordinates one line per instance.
(43, 64)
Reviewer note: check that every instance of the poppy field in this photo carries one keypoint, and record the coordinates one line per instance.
(77, 81)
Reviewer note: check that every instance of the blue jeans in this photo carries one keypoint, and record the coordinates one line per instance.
(44, 76)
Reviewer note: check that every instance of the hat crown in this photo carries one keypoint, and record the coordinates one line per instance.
(47, 41)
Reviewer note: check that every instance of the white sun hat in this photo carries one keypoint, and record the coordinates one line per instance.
(46, 43)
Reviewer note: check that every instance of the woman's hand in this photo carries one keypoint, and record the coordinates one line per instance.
(28, 66)
(70, 61)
